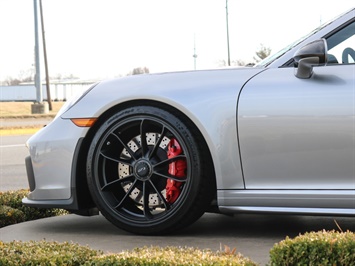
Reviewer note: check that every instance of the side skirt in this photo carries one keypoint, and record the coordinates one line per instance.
(317, 202)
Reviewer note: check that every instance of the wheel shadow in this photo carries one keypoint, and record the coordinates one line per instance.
(212, 225)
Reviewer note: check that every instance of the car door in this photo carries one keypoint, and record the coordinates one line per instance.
(298, 133)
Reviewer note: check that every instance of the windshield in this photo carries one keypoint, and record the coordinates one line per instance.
(268, 60)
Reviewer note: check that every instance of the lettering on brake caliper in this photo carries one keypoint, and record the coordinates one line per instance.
(176, 169)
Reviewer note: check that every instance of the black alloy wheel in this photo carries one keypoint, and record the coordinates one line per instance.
(145, 172)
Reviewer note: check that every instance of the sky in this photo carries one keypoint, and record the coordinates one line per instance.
(96, 39)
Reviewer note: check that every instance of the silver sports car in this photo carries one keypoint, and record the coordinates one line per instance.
(153, 152)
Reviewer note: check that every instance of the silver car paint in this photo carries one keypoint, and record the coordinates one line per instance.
(222, 140)
(209, 99)
(293, 201)
(190, 93)
(298, 133)
(297, 143)
(52, 149)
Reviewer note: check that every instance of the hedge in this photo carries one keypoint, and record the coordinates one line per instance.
(315, 248)
(12, 210)
(52, 253)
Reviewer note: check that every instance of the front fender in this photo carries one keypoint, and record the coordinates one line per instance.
(208, 98)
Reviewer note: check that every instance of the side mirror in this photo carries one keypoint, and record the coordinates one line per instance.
(310, 55)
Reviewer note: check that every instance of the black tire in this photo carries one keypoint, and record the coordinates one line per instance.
(127, 177)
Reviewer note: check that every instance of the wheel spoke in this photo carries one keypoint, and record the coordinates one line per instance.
(107, 186)
(115, 160)
(131, 153)
(162, 198)
(126, 195)
(167, 176)
(146, 209)
(157, 143)
(143, 132)
(167, 161)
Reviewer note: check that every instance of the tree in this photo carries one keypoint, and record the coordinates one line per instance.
(23, 76)
(28, 76)
(138, 70)
(60, 77)
(262, 53)
(223, 63)
(9, 81)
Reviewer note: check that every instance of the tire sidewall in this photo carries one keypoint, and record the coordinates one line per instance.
(186, 200)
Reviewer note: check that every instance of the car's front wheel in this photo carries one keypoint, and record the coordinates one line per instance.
(146, 171)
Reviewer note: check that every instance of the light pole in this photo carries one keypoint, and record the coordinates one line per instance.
(229, 60)
(45, 59)
(194, 55)
(38, 83)
(38, 107)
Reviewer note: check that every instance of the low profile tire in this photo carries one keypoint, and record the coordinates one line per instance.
(128, 168)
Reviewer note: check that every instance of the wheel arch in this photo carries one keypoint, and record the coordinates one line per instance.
(80, 182)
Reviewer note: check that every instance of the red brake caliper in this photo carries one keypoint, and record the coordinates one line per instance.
(177, 169)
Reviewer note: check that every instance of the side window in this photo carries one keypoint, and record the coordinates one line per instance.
(341, 46)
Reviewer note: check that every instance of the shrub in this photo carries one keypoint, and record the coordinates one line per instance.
(172, 256)
(13, 211)
(315, 248)
(53, 253)
(44, 253)
(10, 216)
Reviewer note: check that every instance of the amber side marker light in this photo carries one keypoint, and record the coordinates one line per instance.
(84, 122)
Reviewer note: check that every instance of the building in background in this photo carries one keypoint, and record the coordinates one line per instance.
(59, 90)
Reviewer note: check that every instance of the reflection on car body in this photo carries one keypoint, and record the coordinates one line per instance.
(154, 152)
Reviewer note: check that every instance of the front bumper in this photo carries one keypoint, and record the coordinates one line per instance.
(50, 170)
(69, 204)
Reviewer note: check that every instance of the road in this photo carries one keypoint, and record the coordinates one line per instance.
(17, 122)
(12, 162)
